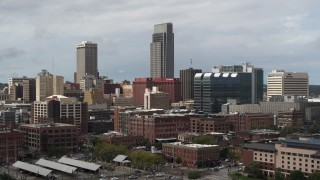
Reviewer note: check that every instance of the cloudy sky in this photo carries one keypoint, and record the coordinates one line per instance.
(272, 34)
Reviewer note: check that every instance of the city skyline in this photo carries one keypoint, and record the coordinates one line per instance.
(43, 36)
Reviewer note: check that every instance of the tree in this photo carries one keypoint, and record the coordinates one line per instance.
(313, 129)
(314, 176)
(278, 175)
(233, 156)
(288, 130)
(297, 175)
(253, 169)
(194, 175)
(144, 159)
(179, 160)
(5, 176)
(224, 153)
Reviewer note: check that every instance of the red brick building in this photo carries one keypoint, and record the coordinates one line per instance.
(192, 155)
(172, 86)
(247, 121)
(291, 118)
(11, 144)
(209, 124)
(159, 126)
(258, 134)
(42, 137)
(122, 116)
(121, 139)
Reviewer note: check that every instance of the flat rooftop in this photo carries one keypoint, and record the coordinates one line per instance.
(48, 125)
(193, 145)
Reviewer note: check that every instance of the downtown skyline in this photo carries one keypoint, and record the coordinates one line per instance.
(44, 35)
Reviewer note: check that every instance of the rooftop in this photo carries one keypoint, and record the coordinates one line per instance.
(193, 145)
(48, 125)
(260, 146)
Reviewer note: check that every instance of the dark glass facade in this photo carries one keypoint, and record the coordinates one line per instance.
(211, 90)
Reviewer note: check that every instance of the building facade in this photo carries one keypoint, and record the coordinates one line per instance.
(172, 86)
(11, 146)
(162, 51)
(156, 99)
(43, 137)
(87, 60)
(187, 82)
(192, 155)
(48, 84)
(281, 83)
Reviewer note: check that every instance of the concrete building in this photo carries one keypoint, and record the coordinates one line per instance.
(16, 91)
(60, 109)
(172, 86)
(43, 137)
(288, 155)
(290, 118)
(94, 96)
(127, 90)
(281, 83)
(29, 90)
(162, 51)
(187, 82)
(47, 85)
(16, 80)
(156, 99)
(258, 134)
(87, 60)
(192, 155)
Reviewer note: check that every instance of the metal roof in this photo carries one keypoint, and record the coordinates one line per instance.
(260, 146)
(32, 168)
(56, 166)
(120, 158)
(80, 164)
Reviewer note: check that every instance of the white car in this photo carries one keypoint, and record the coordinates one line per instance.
(160, 174)
(114, 178)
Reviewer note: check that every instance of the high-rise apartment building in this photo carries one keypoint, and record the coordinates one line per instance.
(87, 60)
(14, 80)
(187, 80)
(47, 85)
(162, 51)
(281, 83)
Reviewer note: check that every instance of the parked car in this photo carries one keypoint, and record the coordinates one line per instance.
(160, 174)
(114, 178)
(133, 177)
(215, 169)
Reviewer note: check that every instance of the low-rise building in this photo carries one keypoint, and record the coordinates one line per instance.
(100, 126)
(11, 145)
(258, 134)
(192, 155)
(118, 138)
(43, 137)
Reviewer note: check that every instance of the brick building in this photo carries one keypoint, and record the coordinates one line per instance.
(119, 139)
(258, 134)
(43, 137)
(291, 118)
(209, 124)
(247, 121)
(11, 145)
(172, 86)
(192, 155)
(100, 126)
(162, 126)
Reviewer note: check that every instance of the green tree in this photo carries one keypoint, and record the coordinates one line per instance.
(288, 130)
(314, 176)
(278, 175)
(253, 169)
(194, 175)
(207, 139)
(313, 129)
(233, 156)
(296, 175)
(179, 160)
(5, 176)
(107, 152)
(145, 160)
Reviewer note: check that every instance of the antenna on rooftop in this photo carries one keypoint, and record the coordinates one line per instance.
(190, 63)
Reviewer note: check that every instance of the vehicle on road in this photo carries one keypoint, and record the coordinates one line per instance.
(160, 174)
(133, 177)
(114, 178)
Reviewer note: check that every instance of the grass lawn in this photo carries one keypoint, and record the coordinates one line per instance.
(235, 177)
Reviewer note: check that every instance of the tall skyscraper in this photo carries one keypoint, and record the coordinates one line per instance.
(87, 63)
(281, 83)
(187, 79)
(162, 51)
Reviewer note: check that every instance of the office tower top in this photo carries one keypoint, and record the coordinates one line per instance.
(162, 51)
(282, 83)
(87, 60)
